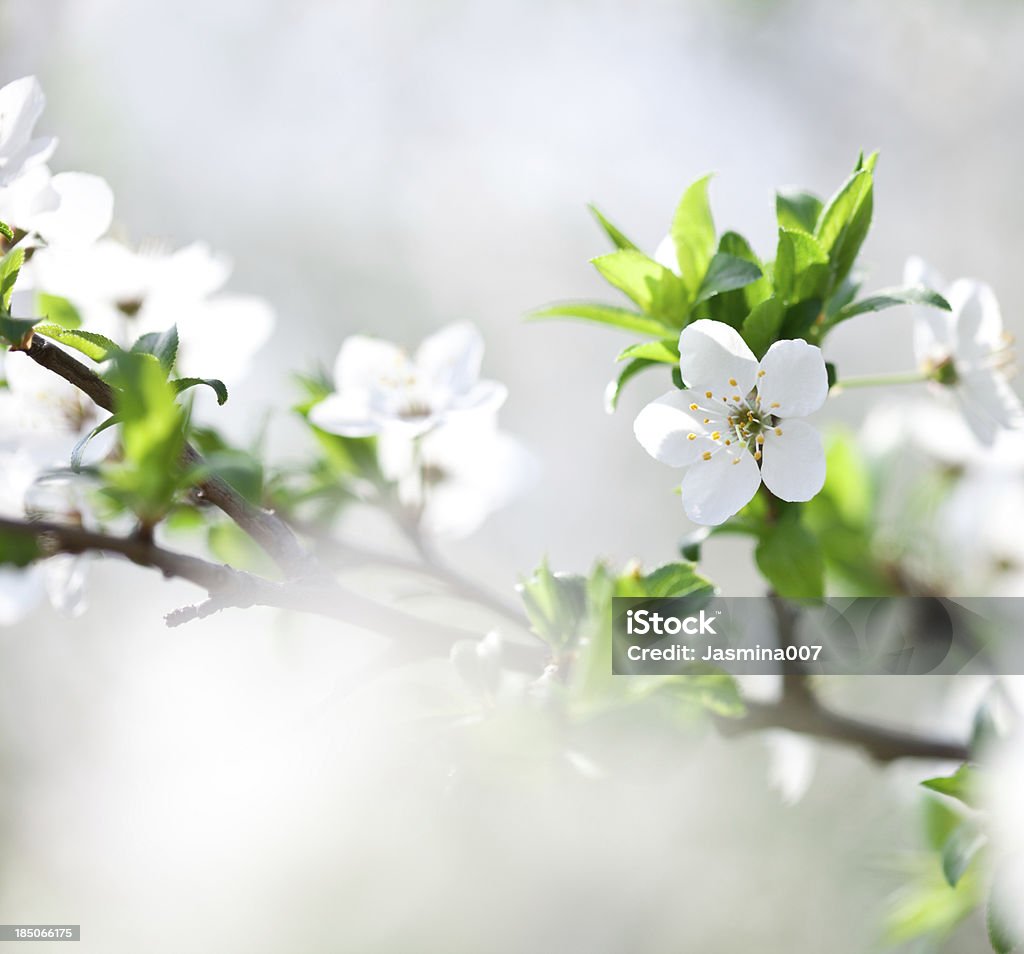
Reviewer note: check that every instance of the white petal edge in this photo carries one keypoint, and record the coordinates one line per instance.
(713, 357)
(363, 362)
(664, 426)
(793, 382)
(793, 464)
(347, 415)
(713, 490)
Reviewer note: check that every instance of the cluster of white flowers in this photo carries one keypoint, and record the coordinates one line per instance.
(436, 424)
(61, 220)
(733, 426)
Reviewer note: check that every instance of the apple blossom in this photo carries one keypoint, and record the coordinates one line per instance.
(21, 104)
(379, 387)
(967, 351)
(734, 425)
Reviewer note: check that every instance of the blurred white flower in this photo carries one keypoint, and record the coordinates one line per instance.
(1003, 782)
(67, 208)
(967, 350)
(21, 105)
(478, 664)
(458, 474)
(791, 763)
(733, 426)
(378, 387)
(123, 294)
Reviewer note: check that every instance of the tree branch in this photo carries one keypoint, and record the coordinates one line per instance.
(228, 587)
(269, 531)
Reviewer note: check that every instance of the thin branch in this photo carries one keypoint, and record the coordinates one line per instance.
(799, 710)
(231, 588)
(269, 531)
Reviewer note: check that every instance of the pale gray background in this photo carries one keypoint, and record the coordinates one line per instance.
(388, 167)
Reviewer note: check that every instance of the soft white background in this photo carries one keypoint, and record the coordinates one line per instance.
(388, 167)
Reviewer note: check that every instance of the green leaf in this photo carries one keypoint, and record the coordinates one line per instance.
(163, 345)
(725, 273)
(693, 234)
(79, 449)
(762, 326)
(960, 785)
(555, 603)
(800, 319)
(618, 239)
(960, 850)
(797, 210)
(790, 558)
(233, 546)
(657, 290)
(57, 310)
(219, 388)
(665, 351)
(10, 266)
(675, 579)
(888, 298)
(801, 267)
(6, 232)
(614, 390)
(845, 221)
(603, 315)
(18, 549)
(92, 345)
(16, 331)
(152, 436)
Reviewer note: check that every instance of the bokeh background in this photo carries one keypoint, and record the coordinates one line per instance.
(388, 167)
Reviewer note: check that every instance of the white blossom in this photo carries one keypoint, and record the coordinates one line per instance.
(967, 351)
(67, 208)
(735, 425)
(458, 474)
(379, 387)
(122, 293)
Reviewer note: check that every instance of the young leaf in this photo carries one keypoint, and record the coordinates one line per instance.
(761, 327)
(6, 231)
(657, 290)
(845, 221)
(960, 850)
(960, 785)
(603, 315)
(693, 234)
(790, 558)
(675, 579)
(1001, 935)
(665, 351)
(630, 371)
(725, 273)
(57, 310)
(16, 331)
(79, 449)
(10, 266)
(888, 298)
(801, 267)
(618, 239)
(162, 345)
(219, 388)
(95, 346)
(797, 210)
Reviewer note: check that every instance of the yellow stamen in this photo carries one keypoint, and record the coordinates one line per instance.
(715, 435)
(693, 407)
(775, 404)
(732, 382)
(778, 431)
(691, 437)
(760, 438)
(707, 455)
(707, 394)
(760, 374)
(757, 455)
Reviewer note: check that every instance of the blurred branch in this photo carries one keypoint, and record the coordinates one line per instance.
(799, 710)
(231, 588)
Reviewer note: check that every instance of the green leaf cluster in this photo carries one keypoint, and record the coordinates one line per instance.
(804, 291)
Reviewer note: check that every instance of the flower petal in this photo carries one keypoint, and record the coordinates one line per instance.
(793, 467)
(84, 212)
(347, 414)
(449, 360)
(484, 396)
(664, 426)
(988, 403)
(933, 328)
(793, 381)
(713, 357)
(363, 363)
(665, 254)
(978, 323)
(713, 490)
